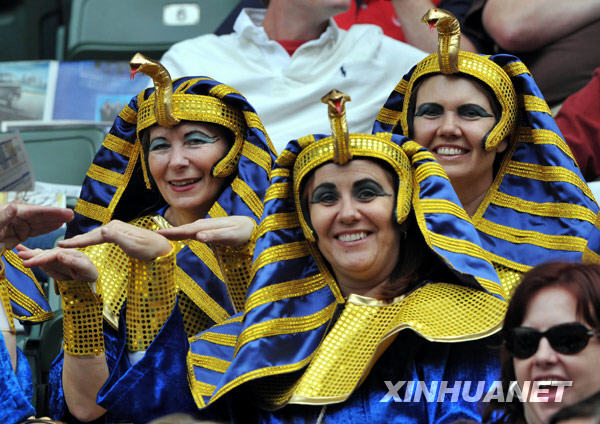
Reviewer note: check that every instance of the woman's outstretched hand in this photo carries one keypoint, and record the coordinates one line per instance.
(61, 264)
(136, 242)
(18, 222)
(229, 231)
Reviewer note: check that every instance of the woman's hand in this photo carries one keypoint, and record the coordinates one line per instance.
(18, 222)
(229, 231)
(60, 264)
(136, 242)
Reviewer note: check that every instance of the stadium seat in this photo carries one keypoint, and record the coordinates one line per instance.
(28, 29)
(40, 351)
(116, 29)
(62, 155)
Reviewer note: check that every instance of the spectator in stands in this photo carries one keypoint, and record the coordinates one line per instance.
(22, 298)
(286, 58)
(579, 122)
(177, 155)
(551, 333)
(485, 121)
(361, 282)
(556, 39)
(401, 19)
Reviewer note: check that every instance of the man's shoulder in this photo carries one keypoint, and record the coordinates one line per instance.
(360, 35)
(204, 41)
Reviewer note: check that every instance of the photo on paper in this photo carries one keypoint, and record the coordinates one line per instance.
(16, 173)
(94, 90)
(27, 90)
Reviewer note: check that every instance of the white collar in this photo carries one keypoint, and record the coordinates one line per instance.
(249, 24)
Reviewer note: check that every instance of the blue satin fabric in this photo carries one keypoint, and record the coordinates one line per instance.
(155, 386)
(32, 306)
(16, 389)
(409, 358)
(260, 355)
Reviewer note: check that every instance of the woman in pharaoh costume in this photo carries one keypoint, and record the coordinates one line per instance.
(368, 274)
(188, 161)
(486, 122)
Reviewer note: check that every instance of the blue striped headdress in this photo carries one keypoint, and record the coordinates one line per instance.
(117, 184)
(25, 295)
(280, 342)
(538, 208)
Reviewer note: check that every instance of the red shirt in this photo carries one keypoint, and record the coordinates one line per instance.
(579, 121)
(291, 46)
(376, 12)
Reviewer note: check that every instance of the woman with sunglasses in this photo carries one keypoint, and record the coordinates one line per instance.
(552, 333)
(488, 125)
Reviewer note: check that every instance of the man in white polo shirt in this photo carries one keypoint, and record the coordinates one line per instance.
(285, 58)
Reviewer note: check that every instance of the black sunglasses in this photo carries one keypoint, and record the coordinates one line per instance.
(568, 339)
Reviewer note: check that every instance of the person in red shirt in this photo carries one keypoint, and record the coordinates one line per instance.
(579, 121)
(401, 19)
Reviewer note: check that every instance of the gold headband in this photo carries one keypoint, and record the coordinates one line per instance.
(167, 109)
(449, 60)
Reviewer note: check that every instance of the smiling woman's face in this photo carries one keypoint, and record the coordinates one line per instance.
(550, 307)
(180, 160)
(351, 209)
(452, 116)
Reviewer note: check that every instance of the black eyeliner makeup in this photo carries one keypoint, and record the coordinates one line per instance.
(368, 184)
(325, 189)
(429, 108)
(473, 109)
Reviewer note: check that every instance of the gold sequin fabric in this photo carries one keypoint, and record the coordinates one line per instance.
(151, 297)
(82, 319)
(366, 325)
(121, 275)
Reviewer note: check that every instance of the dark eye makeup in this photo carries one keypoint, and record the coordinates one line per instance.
(429, 109)
(362, 190)
(325, 193)
(367, 189)
(158, 144)
(200, 137)
(471, 110)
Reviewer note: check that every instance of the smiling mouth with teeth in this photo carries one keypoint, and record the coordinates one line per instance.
(184, 183)
(450, 151)
(352, 237)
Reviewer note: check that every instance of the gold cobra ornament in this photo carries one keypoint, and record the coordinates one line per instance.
(448, 30)
(163, 106)
(336, 110)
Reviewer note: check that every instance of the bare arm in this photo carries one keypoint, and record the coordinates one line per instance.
(523, 26)
(136, 242)
(232, 230)
(10, 340)
(83, 375)
(416, 33)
